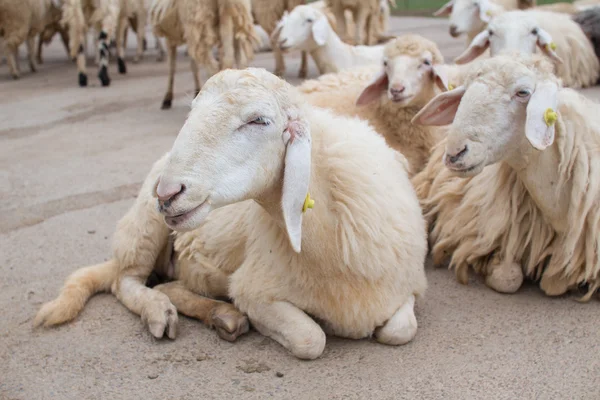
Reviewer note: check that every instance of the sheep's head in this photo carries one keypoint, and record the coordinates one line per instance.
(246, 137)
(468, 15)
(305, 28)
(511, 31)
(409, 74)
(507, 103)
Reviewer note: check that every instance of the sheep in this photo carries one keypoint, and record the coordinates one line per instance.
(518, 195)
(22, 21)
(352, 258)
(202, 25)
(470, 17)
(267, 14)
(557, 35)
(307, 29)
(589, 21)
(52, 27)
(365, 13)
(412, 74)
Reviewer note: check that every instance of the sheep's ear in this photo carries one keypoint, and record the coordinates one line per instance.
(485, 11)
(441, 109)
(441, 77)
(372, 92)
(320, 30)
(296, 178)
(544, 41)
(541, 115)
(445, 10)
(479, 44)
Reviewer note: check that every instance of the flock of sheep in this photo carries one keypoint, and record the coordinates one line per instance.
(314, 207)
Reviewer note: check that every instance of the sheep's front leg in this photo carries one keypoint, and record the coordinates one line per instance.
(504, 276)
(362, 18)
(401, 328)
(31, 52)
(121, 40)
(159, 47)
(279, 61)
(303, 66)
(172, 56)
(340, 19)
(195, 76)
(226, 51)
(81, 62)
(12, 57)
(224, 317)
(141, 33)
(103, 55)
(290, 326)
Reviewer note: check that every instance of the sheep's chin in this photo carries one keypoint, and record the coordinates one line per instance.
(190, 220)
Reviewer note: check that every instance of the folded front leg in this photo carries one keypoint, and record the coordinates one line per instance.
(290, 326)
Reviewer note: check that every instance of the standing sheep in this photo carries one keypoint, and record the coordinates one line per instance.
(267, 14)
(412, 74)
(21, 21)
(354, 262)
(557, 35)
(308, 29)
(52, 27)
(470, 17)
(519, 194)
(202, 26)
(365, 14)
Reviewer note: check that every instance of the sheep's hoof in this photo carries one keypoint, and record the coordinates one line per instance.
(280, 73)
(166, 104)
(122, 66)
(15, 76)
(161, 317)
(229, 322)
(554, 285)
(82, 79)
(196, 91)
(103, 76)
(160, 57)
(145, 44)
(32, 68)
(302, 74)
(505, 279)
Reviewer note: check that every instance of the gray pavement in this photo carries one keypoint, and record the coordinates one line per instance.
(71, 162)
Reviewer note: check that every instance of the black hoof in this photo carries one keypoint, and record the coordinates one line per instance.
(122, 66)
(196, 91)
(145, 44)
(166, 104)
(103, 76)
(82, 79)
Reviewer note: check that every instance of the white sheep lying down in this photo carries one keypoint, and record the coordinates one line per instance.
(555, 34)
(237, 195)
(514, 188)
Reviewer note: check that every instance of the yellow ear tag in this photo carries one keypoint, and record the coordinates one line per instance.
(451, 86)
(550, 117)
(552, 46)
(488, 13)
(308, 203)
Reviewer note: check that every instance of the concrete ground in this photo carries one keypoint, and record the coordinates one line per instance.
(71, 162)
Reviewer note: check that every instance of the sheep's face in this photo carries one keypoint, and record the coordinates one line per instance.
(230, 148)
(305, 28)
(406, 81)
(493, 116)
(466, 15)
(514, 31)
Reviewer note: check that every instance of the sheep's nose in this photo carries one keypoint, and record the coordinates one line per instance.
(166, 191)
(397, 89)
(453, 158)
(454, 31)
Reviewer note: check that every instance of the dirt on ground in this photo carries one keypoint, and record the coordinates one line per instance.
(71, 162)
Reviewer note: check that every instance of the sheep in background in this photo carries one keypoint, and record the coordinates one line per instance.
(53, 26)
(21, 21)
(470, 17)
(308, 29)
(365, 15)
(557, 35)
(267, 14)
(515, 193)
(589, 21)
(354, 262)
(202, 26)
(412, 74)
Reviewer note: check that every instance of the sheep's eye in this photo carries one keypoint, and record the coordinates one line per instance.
(534, 31)
(260, 121)
(523, 93)
(427, 62)
(385, 63)
(490, 32)
(309, 20)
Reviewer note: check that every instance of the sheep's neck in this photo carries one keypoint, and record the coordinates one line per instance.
(539, 172)
(333, 55)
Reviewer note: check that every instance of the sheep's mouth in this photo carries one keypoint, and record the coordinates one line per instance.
(468, 171)
(401, 99)
(173, 221)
